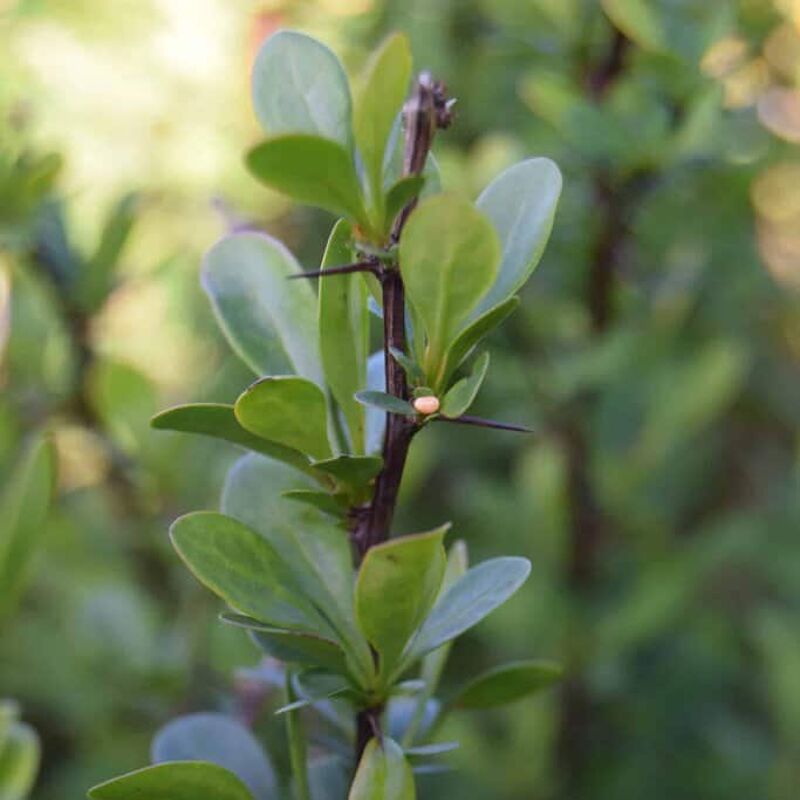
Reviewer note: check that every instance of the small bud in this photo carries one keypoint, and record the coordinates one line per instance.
(426, 405)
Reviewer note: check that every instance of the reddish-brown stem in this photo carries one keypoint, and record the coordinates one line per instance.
(426, 109)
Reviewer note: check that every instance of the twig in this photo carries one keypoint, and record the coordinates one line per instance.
(480, 422)
(426, 110)
(346, 269)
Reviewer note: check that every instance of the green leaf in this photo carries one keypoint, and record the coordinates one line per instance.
(396, 588)
(288, 410)
(24, 506)
(311, 170)
(54, 251)
(521, 204)
(386, 402)
(292, 647)
(316, 549)
(354, 472)
(400, 195)
(433, 664)
(330, 504)
(508, 683)
(243, 569)
(410, 367)
(471, 335)
(219, 421)
(218, 739)
(298, 747)
(377, 104)
(123, 399)
(383, 773)
(20, 754)
(9, 713)
(461, 395)
(270, 321)
(317, 684)
(449, 254)
(344, 331)
(174, 780)
(97, 276)
(299, 86)
(639, 21)
(471, 598)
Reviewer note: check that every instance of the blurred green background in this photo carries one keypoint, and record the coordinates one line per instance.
(655, 352)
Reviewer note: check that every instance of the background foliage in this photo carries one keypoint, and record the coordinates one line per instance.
(655, 352)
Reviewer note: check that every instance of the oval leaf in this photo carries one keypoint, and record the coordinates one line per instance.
(174, 780)
(311, 170)
(344, 331)
(219, 421)
(269, 321)
(521, 203)
(219, 739)
(461, 395)
(20, 753)
(383, 90)
(288, 410)
(316, 550)
(508, 683)
(396, 588)
(472, 597)
(24, 505)
(383, 773)
(299, 86)
(464, 343)
(292, 647)
(449, 254)
(243, 569)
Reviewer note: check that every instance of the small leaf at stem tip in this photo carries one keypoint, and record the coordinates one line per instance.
(480, 422)
(386, 402)
(400, 195)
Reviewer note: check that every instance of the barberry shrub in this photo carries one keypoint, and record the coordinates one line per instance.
(360, 621)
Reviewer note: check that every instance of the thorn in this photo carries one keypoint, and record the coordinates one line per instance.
(480, 422)
(361, 266)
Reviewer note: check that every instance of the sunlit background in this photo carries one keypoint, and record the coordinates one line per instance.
(656, 354)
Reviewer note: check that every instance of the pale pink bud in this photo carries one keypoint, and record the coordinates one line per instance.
(426, 405)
